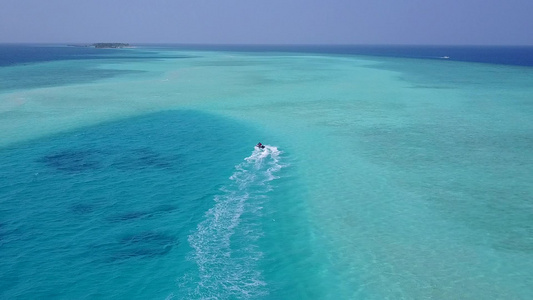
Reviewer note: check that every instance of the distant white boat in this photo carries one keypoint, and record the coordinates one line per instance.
(444, 57)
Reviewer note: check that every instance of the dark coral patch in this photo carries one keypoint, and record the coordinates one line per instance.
(144, 245)
(72, 161)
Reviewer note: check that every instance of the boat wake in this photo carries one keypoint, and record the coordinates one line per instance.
(224, 244)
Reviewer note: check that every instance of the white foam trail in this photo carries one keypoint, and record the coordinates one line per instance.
(226, 270)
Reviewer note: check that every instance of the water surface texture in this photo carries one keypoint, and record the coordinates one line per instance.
(388, 173)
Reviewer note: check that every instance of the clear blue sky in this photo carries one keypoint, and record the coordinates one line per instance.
(493, 22)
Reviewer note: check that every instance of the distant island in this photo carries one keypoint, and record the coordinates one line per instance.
(104, 45)
(110, 45)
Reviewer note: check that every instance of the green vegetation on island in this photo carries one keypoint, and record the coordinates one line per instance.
(104, 45)
(110, 45)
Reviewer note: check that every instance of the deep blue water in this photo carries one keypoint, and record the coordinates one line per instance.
(12, 54)
(71, 65)
(507, 55)
(15, 54)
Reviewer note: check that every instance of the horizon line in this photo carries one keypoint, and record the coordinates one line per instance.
(272, 44)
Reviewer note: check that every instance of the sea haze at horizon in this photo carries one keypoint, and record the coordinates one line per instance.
(389, 172)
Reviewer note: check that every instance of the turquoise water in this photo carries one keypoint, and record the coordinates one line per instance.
(383, 178)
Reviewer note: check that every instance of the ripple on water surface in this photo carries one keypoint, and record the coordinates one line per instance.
(111, 204)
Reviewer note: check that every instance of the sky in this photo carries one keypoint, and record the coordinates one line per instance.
(419, 22)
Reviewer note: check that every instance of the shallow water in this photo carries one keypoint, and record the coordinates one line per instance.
(383, 178)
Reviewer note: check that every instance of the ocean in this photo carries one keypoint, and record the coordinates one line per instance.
(389, 172)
